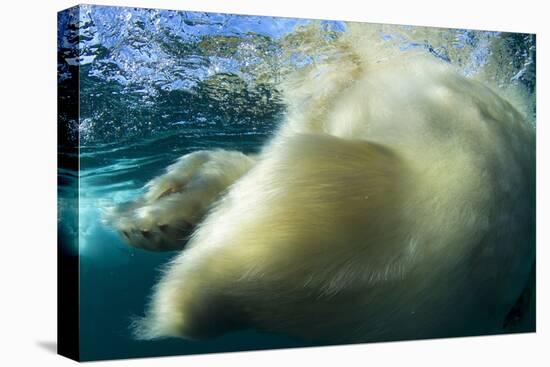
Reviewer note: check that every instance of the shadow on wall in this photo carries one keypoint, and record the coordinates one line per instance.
(49, 346)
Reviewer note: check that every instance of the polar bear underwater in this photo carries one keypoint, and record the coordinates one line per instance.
(395, 201)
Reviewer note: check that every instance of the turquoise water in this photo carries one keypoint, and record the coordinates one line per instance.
(155, 85)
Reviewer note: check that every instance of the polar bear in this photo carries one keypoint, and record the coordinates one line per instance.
(395, 201)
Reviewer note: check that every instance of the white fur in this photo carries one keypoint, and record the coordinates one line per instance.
(396, 201)
(175, 202)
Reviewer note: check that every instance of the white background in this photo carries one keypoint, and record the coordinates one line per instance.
(28, 183)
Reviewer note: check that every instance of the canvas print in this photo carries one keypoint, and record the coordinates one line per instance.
(233, 182)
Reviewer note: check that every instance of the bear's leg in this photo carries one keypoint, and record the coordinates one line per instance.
(175, 202)
(286, 242)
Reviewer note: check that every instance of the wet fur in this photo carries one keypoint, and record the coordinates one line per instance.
(395, 201)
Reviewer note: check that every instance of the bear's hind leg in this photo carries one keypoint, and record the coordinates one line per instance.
(175, 202)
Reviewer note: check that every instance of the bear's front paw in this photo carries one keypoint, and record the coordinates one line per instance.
(174, 203)
(151, 226)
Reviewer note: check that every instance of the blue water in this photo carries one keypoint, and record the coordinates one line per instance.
(157, 84)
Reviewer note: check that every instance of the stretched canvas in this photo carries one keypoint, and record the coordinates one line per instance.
(233, 182)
